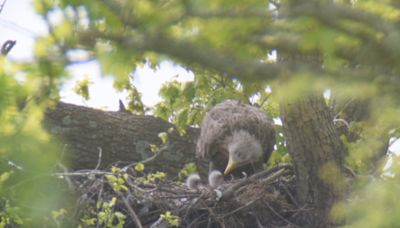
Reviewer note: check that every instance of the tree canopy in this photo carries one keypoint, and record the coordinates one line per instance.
(260, 52)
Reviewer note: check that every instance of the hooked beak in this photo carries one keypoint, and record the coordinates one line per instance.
(232, 164)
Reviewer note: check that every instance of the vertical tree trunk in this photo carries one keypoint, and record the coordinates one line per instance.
(314, 145)
(317, 153)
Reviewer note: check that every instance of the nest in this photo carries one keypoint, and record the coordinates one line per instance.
(265, 199)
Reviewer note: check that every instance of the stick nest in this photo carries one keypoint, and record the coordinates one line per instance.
(265, 199)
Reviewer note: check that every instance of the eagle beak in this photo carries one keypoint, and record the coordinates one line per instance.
(232, 164)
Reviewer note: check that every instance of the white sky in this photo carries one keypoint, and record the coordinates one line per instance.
(19, 22)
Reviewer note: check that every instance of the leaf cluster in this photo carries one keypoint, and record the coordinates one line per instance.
(28, 153)
(348, 47)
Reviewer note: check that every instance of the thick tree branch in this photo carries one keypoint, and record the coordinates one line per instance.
(122, 138)
(332, 15)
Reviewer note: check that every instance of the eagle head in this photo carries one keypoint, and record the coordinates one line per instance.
(243, 148)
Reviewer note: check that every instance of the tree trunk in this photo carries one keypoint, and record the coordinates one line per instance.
(122, 137)
(317, 153)
(314, 145)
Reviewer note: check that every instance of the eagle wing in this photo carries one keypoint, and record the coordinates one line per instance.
(229, 116)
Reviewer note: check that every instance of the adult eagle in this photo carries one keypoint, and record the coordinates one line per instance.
(235, 138)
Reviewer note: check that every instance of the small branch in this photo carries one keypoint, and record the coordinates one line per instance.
(83, 173)
(229, 192)
(2, 5)
(291, 197)
(193, 207)
(242, 207)
(229, 13)
(274, 176)
(99, 197)
(132, 213)
(280, 216)
(99, 158)
(147, 160)
(7, 46)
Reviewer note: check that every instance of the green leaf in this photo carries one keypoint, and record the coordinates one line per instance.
(163, 136)
(139, 167)
(82, 87)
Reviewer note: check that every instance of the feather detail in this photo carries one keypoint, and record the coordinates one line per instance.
(228, 120)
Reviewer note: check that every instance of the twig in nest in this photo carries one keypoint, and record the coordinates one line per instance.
(274, 176)
(228, 193)
(83, 173)
(194, 202)
(291, 197)
(132, 213)
(99, 197)
(279, 216)
(242, 207)
(271, 170)
(147, 160)
(211, 214)
(196, 220)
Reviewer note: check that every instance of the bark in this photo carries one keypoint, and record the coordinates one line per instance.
(314, 145)
(351, 111)
(317, 153)
(122, 137)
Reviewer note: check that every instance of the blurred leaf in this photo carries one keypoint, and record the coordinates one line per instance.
(163, 136)
(82, 87)
(139, 167)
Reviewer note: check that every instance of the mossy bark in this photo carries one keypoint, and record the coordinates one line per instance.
(317, 153)
(122, 137)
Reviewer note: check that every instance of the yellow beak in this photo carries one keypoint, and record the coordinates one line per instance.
(232, 164)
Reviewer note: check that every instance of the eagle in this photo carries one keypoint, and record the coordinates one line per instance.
(236, 137)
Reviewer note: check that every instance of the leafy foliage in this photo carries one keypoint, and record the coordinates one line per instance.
(173, 220)
(187, 170)
(184, 104)
(117, 179)
(381, 194)
(226, 45)
(106, 215)
(82, 88)
(27, 153)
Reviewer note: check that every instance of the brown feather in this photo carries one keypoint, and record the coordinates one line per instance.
(228, 117)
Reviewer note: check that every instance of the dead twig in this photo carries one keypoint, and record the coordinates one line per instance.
(2, 5)
(143, 202)
(99, 158)
(147, 160)
(228, 193)
(280, 216)
(132, 213)
(242, 207)
(8, 45)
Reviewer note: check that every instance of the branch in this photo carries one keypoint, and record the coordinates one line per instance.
(228, 13)
(7, 46)
(132, 213)
(329, 14)
(275, 172)
(332, 12)
(2, 5)
(190, 54)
